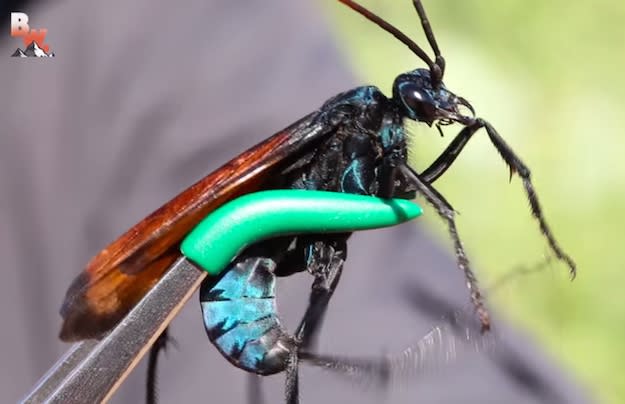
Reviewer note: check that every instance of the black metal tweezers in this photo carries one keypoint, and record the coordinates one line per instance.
(91, 371)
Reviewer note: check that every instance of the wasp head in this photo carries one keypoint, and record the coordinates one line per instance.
(422, 99)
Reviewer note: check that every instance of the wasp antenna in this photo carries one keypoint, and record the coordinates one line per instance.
(427, 28)
(416, 49)
(437, 75)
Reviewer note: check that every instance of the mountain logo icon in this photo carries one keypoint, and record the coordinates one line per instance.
(34, 39)
(32, 51)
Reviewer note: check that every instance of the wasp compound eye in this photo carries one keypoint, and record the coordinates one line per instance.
(420, 104)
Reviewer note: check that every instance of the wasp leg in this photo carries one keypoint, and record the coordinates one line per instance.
(325, 261)
(151, 385)
(291, 390)
(446, 211)
(449, 155)
(516, 165)
(254, 391)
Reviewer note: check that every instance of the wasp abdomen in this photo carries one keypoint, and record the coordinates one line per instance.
(241, 319)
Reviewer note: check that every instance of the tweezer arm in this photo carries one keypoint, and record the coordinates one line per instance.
(91, 371)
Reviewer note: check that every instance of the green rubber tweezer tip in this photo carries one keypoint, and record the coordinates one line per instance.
(225, 232)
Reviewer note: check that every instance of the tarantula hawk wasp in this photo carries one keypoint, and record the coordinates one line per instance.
(355, 143)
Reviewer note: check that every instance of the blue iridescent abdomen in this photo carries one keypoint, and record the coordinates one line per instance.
(240, 317)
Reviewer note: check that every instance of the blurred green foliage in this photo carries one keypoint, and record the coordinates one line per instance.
(550, 76)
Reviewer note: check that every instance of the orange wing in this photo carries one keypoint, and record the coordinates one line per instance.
(121, 274)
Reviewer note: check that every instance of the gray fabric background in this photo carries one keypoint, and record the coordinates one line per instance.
(146, 97)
